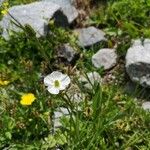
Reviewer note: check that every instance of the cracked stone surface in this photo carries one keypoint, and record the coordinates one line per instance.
(89, 80)
(106, 58)
(58, 115)
(36, 14)
(89, 36)
(67, 52)
(67, 7)
(146, 105)
(138, 62)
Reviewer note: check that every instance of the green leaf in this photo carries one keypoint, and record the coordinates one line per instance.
(61, 139)
(97, 102)
(51, 142)
(8, 135)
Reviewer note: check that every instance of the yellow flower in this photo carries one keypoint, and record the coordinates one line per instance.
(5, 4)
(5, 82)
(5, 8)
(4, 12)
(27, 99)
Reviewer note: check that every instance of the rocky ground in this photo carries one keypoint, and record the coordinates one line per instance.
(84, 49)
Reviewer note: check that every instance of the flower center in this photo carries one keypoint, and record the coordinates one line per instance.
(56, 83)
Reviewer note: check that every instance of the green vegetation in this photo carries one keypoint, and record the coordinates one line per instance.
(123, 20)
(107, 118)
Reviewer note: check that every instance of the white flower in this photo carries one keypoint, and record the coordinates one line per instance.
(56, 81)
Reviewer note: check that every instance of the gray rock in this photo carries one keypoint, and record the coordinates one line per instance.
(58, 115)
(89, 36)
(57, 123)
(36, 14)
(136, 42)
(146, 105)
(90, 79)
(105, 57)
(67, 52)
(147, 44)
(75, 95)
(61, 112)
(62, 3)
(138, 62)
(68, 9)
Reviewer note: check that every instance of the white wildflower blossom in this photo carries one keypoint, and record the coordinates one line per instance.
(56, 81)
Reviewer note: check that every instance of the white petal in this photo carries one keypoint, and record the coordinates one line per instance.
(62, 87)
(56, 75)
(53, 90)
(65, 80)
(48, 80)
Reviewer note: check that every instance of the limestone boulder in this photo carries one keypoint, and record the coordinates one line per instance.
(89, 36)
(106, 58)
(37, 15)
(68, 8)
(138, 62)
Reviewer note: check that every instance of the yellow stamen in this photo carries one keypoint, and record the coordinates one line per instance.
(56, 83)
